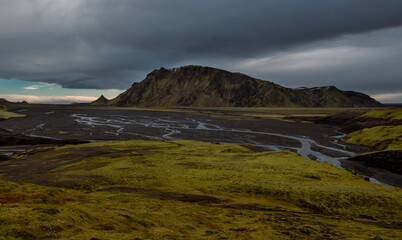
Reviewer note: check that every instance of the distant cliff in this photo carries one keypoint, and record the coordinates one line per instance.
(198, 86)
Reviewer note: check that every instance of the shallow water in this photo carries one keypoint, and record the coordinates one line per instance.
(317, 142)
(10, 151)
(173, 129)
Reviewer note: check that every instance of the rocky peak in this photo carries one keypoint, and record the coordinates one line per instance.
(100, 101)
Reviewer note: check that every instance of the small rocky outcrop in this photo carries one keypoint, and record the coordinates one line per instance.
(100, 101)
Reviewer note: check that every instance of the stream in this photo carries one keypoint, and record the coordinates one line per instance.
(316, 142)
(172, 130)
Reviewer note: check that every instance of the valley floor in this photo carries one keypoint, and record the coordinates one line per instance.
(162, 187)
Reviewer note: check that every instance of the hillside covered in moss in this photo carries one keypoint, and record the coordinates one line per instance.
(188, 190)
(384, 137)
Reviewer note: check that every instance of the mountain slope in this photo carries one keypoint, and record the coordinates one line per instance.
(199, 86)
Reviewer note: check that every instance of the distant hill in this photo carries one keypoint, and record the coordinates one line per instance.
(100, 101)
(198, 86)
(3, 102)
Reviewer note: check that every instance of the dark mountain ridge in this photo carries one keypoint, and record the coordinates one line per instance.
(199, 86)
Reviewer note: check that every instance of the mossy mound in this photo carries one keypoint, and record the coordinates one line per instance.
(379, 137)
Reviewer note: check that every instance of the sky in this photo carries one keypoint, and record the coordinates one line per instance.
(63, 51)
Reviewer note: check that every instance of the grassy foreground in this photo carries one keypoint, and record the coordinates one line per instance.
(192, 190)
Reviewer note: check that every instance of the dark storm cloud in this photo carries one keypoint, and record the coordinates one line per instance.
(368, 62)
(110, 44)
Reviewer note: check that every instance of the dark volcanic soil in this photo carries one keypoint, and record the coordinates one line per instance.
(381, 175)
(96, 123)
(90, 123)
(385, 166)
(8, 138)
(388, 160)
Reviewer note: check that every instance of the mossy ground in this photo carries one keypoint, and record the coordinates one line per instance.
(249, 113)
(4, 114)
(192, 190)
(284, 114)
(380, 137)
(388, 114)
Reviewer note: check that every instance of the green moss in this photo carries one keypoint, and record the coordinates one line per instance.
(193, 190)
(380, 137)
(387, 114)
(62, 132)
(4, 114)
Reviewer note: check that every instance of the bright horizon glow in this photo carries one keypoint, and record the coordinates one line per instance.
(47, 99)
(388, 97)
(38, 92)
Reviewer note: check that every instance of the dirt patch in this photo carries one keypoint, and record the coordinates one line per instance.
(381, 175)
(8, 138)
(153, 193)
(4, 158)
(12, 198)
(38, 161)
(388, 225)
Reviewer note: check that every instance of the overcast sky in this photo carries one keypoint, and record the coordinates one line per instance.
(109, 44)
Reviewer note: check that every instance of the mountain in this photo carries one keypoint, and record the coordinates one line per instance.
(100, 101)
(199, 86)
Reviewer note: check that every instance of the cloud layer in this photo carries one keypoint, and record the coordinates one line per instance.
(110, 44)
(368, 62)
